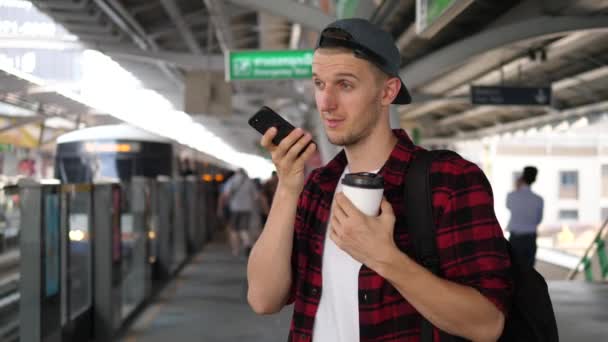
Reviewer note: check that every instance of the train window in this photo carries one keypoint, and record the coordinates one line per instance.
(152, 166)
(80, 162)
(106, 167)
(74, 170)
(124, 168)
(113, 167)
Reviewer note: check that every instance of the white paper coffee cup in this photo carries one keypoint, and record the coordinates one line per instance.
(364, 190)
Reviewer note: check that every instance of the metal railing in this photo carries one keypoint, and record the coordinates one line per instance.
(597, 248)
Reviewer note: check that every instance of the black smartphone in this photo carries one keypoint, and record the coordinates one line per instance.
(266, 118)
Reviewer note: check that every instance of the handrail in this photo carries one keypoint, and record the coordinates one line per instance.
(601, 234)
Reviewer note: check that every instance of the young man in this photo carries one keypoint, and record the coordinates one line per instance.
(526, 213)
(350, 275)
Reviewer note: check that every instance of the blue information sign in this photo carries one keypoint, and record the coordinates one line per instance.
(499, 95)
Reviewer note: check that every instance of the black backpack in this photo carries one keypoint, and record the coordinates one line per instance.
(531, 317)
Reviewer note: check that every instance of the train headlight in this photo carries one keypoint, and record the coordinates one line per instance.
(76, 235)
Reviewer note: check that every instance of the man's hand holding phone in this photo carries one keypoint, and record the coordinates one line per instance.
(290, 147)
(290, 155)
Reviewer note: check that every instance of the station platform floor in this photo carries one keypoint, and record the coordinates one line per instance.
(207, 303)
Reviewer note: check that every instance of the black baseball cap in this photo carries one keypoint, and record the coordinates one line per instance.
(369, 42)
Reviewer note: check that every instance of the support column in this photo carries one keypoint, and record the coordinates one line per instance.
(207, 92)
(31, 268)
(40, 265)
(107, 261)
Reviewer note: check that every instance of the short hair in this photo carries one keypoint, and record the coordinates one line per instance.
(529, 174)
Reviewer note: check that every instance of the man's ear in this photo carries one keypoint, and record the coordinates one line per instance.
(392, 85)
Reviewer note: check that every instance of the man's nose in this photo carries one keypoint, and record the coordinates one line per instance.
(326, 99)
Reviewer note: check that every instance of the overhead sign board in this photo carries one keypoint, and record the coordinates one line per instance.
(496, 95)
(346, 8)
(433, 15)
(32, 43)
(269, 65)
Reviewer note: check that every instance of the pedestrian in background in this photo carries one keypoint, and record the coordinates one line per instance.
(526, 214)
(239, 194)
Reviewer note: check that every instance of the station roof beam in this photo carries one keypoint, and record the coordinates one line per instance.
(121, 17)
(222, 27)
(195, 18)
(305, 15)
(556, 51)
(185, 31)
(446, 59)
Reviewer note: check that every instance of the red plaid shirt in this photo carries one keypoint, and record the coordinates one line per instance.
(471, 247)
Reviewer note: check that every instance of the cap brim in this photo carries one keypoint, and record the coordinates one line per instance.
(404, 95)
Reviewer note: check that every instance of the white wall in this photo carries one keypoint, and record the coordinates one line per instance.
(496, 156)
(547, 185)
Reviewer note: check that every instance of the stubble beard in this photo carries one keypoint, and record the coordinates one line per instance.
(359, 131)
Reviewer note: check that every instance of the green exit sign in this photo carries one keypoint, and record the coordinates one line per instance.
(269, 65)
(346, 8)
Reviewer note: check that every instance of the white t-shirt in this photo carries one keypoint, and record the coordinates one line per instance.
(337, 318)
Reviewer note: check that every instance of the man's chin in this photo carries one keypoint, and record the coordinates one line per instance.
(338, 140)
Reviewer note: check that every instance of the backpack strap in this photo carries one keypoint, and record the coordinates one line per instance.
(419, 202)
